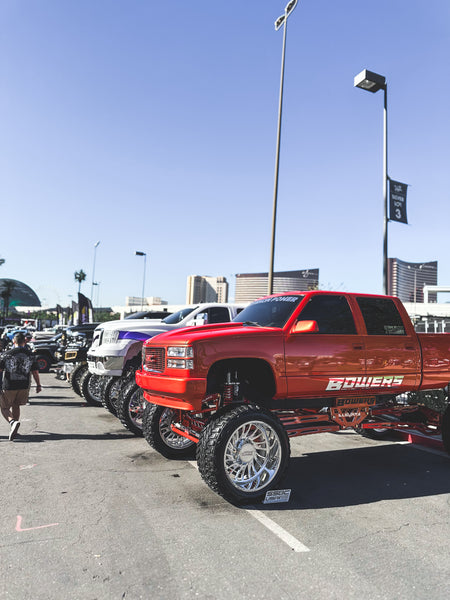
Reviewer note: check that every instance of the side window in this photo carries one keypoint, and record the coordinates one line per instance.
(218, 314)
(332, 313)
(381, 316)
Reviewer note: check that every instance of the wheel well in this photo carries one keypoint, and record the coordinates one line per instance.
(133, 358)
(255, 376)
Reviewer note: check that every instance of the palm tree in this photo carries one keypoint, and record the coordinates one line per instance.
(80, 276)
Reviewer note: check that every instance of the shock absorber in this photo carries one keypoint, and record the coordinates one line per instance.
(230, 388)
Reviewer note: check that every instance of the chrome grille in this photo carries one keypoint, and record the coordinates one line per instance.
(154, 359)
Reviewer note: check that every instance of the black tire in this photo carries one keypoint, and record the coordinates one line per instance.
(376, 434)
(129, 407)
(76, 377)
(243, 453)
(43, 363)
(91, 388)
(110, 394)
(445, 429)
(157, 432)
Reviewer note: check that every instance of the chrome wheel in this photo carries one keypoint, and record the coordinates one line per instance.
(136, 408)
(252, 456)
(169, 437)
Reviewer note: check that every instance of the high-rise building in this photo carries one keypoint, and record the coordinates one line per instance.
(250, 286)
(406, 280)
(206, 289)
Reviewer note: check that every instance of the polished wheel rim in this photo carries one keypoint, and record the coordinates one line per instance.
(136, 408)
(170, 438)
(252, 456)
(95, 387)
(114, 392)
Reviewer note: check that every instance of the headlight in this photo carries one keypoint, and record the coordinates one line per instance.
(180, 351)
(110, 336)
(182, 357)
(180, 363)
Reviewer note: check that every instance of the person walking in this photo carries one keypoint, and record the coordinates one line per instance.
(16, 365)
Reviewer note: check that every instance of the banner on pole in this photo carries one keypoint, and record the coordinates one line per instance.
(85, 309)
(397, 201)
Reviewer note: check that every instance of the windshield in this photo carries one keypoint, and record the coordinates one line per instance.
(269, 312)
(178, 316)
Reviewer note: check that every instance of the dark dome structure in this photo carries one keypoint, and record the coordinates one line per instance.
(20, 294)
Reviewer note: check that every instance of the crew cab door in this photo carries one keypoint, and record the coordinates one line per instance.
(392, 349)
(334, 352)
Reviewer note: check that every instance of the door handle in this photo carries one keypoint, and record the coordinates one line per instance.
(357, 347)
(410, 348)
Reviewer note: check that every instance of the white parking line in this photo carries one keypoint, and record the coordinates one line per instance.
(281, 533)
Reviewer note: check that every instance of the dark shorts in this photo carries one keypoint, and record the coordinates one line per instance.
(10, 398)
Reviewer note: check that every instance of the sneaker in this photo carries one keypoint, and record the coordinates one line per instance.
(14, 428)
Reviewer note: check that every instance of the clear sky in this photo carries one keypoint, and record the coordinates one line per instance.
(151, 126)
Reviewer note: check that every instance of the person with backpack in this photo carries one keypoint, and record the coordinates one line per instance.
(16, 365)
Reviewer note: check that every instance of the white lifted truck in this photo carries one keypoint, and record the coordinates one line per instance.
(116, 354)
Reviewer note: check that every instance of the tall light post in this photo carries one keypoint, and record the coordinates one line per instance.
(138, 253)
(97, 283)
(372, 82)
(281, 21)
(93, 271)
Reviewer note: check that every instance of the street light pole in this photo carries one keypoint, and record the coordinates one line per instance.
(93, 271)
(282, 20)
(385, 194)
(372, 82)
(138, 253)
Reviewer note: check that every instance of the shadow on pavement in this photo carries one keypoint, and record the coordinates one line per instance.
(56, 401)
(362, 476)
(48, 436)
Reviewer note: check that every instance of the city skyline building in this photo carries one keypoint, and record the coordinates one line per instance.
(406, 279)
(250, 286)
(202, 288)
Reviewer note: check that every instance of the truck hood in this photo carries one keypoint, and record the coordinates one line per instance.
(143, 333)
(130, 324)
(188, 335)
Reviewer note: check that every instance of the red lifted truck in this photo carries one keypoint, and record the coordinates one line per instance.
(290, 364)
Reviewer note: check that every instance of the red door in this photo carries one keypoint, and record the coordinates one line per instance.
(392, 351)
(333, 358)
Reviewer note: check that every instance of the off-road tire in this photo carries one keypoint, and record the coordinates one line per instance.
(76, 377)
(156, 427)
(129, 407)
(445, 429)
(376, 434)
(243, 440)
(91, 386)
(110, 394)
(43, 363)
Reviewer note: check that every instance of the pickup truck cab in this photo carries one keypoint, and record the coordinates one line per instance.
(290, 364)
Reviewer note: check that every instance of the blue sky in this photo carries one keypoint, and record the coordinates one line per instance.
(151, 126)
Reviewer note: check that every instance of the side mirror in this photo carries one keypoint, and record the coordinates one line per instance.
(306, 327)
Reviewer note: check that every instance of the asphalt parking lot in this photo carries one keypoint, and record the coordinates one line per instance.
(90, 511)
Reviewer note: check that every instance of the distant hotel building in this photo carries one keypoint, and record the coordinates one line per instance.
(406, 280)
(206, 289)
(250, 286)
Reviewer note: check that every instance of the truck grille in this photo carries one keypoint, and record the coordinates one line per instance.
(154, 359)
